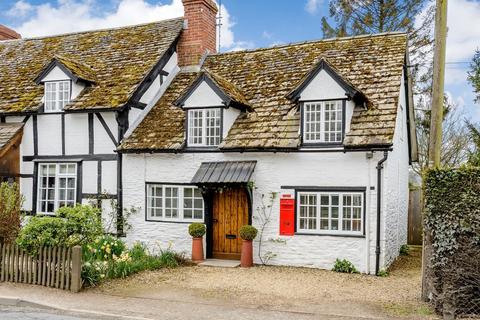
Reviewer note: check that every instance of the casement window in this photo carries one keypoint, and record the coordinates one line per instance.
(330, 212)
(204, 127)
(174, 203)
(57, 186)
(323, 122)
(57, 95)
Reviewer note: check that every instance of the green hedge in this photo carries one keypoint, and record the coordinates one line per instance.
(452, 209)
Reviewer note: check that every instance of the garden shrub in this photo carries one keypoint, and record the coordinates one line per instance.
(42, 231)
(10, 207)
(78, 225)
(197, 230)
(248, 232)
(404, 249)
(344, 266)
(83, 223)
(382, 273)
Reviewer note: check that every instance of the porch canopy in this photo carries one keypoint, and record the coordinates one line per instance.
(226, 172)
(9, 134)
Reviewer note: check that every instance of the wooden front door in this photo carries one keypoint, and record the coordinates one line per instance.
(230, 213)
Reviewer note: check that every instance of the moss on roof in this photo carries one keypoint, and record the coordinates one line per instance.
(372, 64)
(119, 59)
(77, 68)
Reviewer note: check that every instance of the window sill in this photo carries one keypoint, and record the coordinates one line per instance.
(338, 145)
(344, 235)
(174, 221)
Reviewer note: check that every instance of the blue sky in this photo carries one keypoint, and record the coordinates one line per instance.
(246, 24)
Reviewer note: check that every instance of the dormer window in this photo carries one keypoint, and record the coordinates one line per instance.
(327, 101)
(212, 105)
(204, 127)
(57, 95)
(323, 122)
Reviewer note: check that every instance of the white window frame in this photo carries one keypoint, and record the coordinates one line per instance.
(202, 140)
(58, 175)
(58, 101)
(180, 204)
(321, 124)
(341, 207)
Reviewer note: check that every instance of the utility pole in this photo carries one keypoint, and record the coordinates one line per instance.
(436, 120)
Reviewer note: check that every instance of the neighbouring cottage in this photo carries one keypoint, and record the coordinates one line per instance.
(317, 135)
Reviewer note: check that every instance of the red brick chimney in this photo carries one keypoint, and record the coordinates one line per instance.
(200, 31)
(8, 34)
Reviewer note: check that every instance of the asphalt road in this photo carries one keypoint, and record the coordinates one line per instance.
(27, 313)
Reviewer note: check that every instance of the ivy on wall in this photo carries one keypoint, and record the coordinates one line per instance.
(452, 209)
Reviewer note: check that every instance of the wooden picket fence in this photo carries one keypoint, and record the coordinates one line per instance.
(56, 267)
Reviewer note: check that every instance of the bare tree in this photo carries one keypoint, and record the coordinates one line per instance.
(456, 142)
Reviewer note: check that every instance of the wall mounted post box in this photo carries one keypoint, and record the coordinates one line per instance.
(287, 215)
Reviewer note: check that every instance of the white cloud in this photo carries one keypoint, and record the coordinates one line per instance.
(71, 16)
(65, 16)
(463, 33)
(312, 6)
(20, 9)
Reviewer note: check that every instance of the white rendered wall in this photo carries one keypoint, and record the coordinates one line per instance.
(151, 91)
(76, 133)
(229, 117)
(49, 128)
(203, 96)
(109, 177)
(272, 172)
(395, 206)
(102, 143)
(322, 87)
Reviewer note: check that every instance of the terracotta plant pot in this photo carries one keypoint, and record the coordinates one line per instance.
(246, 260)
(197, 249)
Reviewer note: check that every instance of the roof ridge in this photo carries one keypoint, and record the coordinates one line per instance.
(89, 31)
(371, 35)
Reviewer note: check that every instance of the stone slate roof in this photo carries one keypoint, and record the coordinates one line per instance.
(372, 64)
(227, 90)
(75, 68)
(118, 58)
(8, 132)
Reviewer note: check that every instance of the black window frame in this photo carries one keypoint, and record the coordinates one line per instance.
(319, 189)
(302, 120)
(187, 128)
(173, 184)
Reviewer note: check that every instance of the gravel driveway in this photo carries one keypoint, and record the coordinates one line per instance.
(284, 287)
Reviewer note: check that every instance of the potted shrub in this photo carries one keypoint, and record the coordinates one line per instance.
(197, 231)
(247, 233)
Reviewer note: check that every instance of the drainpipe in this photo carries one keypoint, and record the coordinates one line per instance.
(379, 210)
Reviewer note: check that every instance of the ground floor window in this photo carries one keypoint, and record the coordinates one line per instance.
(330, 212)
(174, 203)
(57, 186)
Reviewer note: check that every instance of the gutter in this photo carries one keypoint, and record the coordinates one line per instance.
(379, 209)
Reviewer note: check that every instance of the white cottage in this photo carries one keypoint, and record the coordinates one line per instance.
(314, 137)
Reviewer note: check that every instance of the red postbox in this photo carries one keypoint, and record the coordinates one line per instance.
(287, 215)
